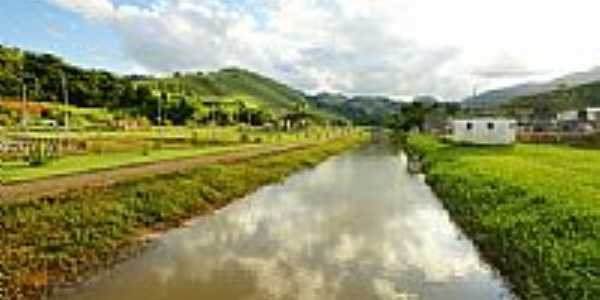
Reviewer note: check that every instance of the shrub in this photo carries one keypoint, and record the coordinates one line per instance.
(195, 138)
(244, 138)
(146, 150)
(39, 155)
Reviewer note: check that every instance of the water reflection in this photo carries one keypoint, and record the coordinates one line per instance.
(356, 227)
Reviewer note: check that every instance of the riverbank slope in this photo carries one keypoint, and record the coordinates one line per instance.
(533, 210)
(67, 238)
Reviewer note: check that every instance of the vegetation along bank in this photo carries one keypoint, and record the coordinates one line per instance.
(48, 243)
(533, 210)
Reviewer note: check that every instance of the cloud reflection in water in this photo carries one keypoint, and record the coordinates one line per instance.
(356, 227)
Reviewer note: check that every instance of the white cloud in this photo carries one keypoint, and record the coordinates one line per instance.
(94, 9)
(398, 47)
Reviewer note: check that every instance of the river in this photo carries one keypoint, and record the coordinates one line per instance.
(356, 227)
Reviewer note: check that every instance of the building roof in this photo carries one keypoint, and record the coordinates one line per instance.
(482, 119)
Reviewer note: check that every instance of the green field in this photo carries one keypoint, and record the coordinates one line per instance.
(533, 210)
(21, 171)
(205, 133)
(107, 150)
(67, 238)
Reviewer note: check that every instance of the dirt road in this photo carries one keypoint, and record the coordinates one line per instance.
(54, 185)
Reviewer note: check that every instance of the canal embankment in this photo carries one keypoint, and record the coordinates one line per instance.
(63, 239)
(532, 210)
(356, 226)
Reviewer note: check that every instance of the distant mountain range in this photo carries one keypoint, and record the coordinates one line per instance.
(363, 110)
(504, 95)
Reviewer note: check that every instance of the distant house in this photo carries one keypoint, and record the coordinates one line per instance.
(567, 116)
(484, 131)
(592, 114)
(584, 120)
(569, 120)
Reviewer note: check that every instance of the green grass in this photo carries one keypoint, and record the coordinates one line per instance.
(69, 237)
(155, 132)
(220, 133)
(534, 210)
(21, 171)
(16, 171)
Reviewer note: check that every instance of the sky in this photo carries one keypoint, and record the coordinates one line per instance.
(398, 48)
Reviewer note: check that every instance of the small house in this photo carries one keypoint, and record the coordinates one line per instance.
(585, 120)
(592, 114)
(484, 131)
(569, 120)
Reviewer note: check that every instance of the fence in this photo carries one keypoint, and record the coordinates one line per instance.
(558, 137)
(20, 149)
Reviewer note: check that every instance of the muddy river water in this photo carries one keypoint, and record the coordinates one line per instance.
(356, 227)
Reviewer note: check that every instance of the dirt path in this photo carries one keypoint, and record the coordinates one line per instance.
(54, 185)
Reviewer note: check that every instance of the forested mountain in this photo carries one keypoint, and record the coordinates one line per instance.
(183, 95)
(577, 97)
(505, 95)
(364, 110)
(43, 76)
(234, 82)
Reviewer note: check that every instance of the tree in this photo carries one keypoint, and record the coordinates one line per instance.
(180, 112)
(413, 116)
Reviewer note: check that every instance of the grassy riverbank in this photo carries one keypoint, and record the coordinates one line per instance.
(11, 173)
(50, 242)
(109, 150)
(533, 210)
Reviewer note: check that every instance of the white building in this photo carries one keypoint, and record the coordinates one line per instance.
(568, 116)
(592, 114)
(484, 131)
(585, 120)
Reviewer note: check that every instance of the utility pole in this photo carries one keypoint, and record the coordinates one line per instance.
(37, 87)
(65, 96)
(24, 104)
(160, 118)
(65, 93)
(212, 116)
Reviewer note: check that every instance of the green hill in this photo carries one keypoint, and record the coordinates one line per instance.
(184, 96)
(532, 90)
(362, 110)
(576, 97)
(232, 84)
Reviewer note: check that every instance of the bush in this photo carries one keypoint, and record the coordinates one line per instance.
(195, 138)
(146, 150)
(158, 144)
(38, 155)
(244, 138)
